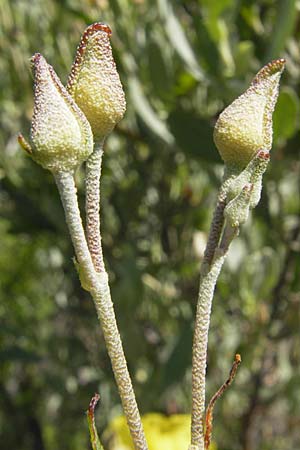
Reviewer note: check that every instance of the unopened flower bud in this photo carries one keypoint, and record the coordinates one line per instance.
(245, 126)
(60, 135)
(94, 82)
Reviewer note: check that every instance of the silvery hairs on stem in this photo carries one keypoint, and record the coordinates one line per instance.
(68, 127)
(243, 136)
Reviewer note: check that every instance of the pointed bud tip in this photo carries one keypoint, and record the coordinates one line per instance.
(245, 126)
(277, 65)
(98, 26)
(94, 82)
(273, 67)
(36, 60)
(89, 32)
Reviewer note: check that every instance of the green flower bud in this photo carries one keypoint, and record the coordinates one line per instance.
(60, 135)
(94, 82)
(245, 126)
(237, 210)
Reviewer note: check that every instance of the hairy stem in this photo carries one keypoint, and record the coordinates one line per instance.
(92, 206)
(97, 284)
(68, 193)
(215, 231)
(218, 219)
(214, 257)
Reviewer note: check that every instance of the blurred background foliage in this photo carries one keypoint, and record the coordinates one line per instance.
(181, 63)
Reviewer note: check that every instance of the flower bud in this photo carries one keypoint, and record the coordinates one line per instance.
(94, 82)
(245, 126)
(60, 135)
(237, 210)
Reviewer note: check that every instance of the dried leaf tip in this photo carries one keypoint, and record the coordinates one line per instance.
(93, 403)
(60, 135)
(94, 82)
(238, 358)
(245, 126)
(95, 441)
(215, 397)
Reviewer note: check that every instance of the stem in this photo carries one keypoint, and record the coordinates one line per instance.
(106, 315)
(97, 285)
(214, 258)
(215, 231)
(218, 219)
(206, 292)
(68, 193)
(92, 206)
(237, 187)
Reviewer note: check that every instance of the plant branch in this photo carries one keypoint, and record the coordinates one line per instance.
(92, 206)
(240, 191)
(208, 282)
(218, 219)
(97, 284)
(219, 240)
(215, 230)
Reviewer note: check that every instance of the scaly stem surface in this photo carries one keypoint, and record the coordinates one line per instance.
(92, 206)
(97, 284)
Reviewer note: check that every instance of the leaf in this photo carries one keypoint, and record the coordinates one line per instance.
(179, 358)
(160, 75)
(178, 39)
(146, 112)
(243, 57)
(283, 27)
(225, 47)
(193, 134)
(286, 115)
(207, 47)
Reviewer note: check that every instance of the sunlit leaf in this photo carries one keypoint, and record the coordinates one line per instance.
(286, 115)
(178, 38)
(146, 112)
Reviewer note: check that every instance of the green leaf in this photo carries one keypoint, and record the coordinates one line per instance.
(179, 359)
(286, 115)
(193, 134)
(283, 27)
(243, 57)
(206, 46)
(178, 39)
(146, 112)
(160, 75)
